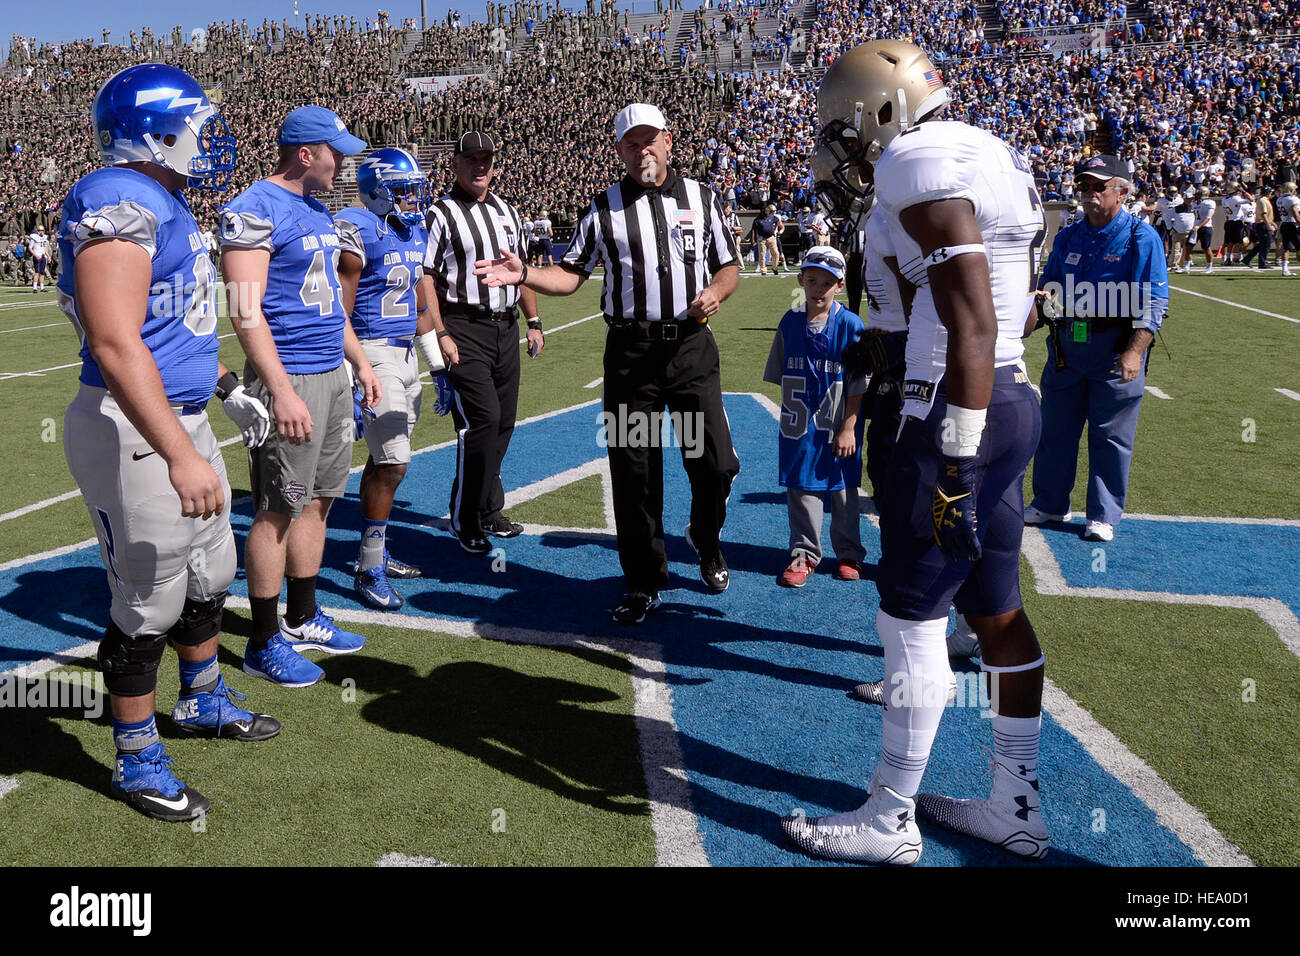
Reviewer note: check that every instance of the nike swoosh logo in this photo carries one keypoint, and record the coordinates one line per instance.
(136, 456)
(180, 803)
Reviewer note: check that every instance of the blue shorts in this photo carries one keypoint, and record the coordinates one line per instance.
(1205, 235)
(916, 582)
(544, 248)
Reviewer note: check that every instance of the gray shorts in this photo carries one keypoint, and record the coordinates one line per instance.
(285, 476)
(154, 557)
(389, 436)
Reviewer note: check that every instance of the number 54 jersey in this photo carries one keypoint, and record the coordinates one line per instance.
(949, 160)
(303, 299)
(180, 323)
(392, 263)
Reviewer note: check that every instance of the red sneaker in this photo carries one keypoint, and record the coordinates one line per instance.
(796, 575)
(848, 570)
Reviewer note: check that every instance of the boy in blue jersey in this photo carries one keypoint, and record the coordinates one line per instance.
(138, 287)
(821, 428)
(280, 253)
(386, 294)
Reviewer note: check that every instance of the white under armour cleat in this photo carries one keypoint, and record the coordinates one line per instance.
(883, 830)
(1011, 816)
(1098, 531)
(1037, 516)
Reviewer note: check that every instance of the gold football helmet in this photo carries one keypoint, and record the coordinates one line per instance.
(870, 95)
(845, 198)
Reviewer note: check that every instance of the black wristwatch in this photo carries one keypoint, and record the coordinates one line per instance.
(227, 384)
(535, 323)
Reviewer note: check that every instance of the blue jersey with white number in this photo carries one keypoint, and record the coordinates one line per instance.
(392, 262)
(303, 301)
(807, 366)
(180, 323)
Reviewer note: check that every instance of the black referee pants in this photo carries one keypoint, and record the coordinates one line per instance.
(644, 376)
(486, 380)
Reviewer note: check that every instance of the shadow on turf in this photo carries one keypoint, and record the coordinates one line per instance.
(536, 729)
(80, 612)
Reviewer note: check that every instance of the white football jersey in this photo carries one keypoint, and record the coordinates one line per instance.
(950, 160)
(1164, 210)
(1234, 207)
(1205, 211)
(884, 303)
(1288, 208)
(38, 245)
(1248, 211)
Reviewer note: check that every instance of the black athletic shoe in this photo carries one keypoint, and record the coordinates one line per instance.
(713, 569)
(503, 527)
(145, 781)
(474, 543)
(635, 607)
(400, 569)
(216, 713)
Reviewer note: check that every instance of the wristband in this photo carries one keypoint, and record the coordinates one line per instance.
(427, 346)
(944, 253)
(535, 323)
(524, 277)
(962, 428)
(442, 333)
(227, 384)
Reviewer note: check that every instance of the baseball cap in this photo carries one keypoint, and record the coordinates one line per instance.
(316, 124)
(824, 257)
(475, 142)
(637, 114)
(1103, 166)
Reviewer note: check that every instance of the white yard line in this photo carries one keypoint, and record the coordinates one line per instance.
(1294, 396)
(1235, 305)
(7, 785)
(32, 328)
(568, 325)
(1159, 393)
(594, 382)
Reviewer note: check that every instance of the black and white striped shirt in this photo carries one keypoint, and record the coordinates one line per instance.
(659, 246)
(462, 231)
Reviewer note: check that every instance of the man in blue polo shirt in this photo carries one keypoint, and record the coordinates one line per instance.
(1109, 271)
(280, 254)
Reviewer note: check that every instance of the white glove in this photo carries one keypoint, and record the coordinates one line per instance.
(249, 415)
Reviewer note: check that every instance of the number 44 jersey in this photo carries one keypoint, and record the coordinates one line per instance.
(807, 364)
(948, 160)
(392, 262)
(303, 300)
(180, 322)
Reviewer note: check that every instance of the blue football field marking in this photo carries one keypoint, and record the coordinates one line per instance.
(759, 674)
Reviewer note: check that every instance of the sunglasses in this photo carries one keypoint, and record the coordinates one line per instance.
(823, 259)
(1091, 185)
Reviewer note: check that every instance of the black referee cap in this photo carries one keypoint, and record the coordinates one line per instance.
(475, 142)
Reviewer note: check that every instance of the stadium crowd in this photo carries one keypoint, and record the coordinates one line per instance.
(1220, 100)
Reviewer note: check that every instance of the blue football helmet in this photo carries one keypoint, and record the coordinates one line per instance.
(388, 176)
(156, 113)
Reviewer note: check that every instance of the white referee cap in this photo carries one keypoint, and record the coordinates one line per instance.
(637, 114)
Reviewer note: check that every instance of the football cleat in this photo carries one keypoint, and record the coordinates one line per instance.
(371, 585)
(215, 714)
(321, 634)
(281, 664)
(400, 569)
(873, 692)
(635, 607)
(1035, 516)
(1011, 817)
(145, 781)
(883, 830)
(1098, 531)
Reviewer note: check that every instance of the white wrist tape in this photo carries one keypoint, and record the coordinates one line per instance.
(944, 253)
(427, 346)
(962, 428)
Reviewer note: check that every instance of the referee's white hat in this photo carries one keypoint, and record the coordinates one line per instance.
(637, 114)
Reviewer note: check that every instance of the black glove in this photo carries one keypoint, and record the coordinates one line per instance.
(867, 355)
(953, 510)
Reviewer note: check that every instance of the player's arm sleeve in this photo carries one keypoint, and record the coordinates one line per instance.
(246, 227)
(125, 219)
(775, 359)
(722, 241)
(1152, 277)
(350, 239)
(584, 252)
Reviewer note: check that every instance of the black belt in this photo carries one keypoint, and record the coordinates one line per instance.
(670, 331)
(476, 313)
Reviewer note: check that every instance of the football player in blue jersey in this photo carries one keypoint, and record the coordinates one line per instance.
(280, 253)
(139, 288)
(965, 223)
(386, 294)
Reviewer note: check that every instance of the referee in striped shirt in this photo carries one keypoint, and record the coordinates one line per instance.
(478, 334)
(670, 261)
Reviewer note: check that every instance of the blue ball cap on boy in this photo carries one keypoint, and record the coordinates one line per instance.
(316, 124)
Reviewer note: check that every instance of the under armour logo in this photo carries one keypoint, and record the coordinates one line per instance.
(939, 255)
(1025, 808)
(902, 821)
(1024, 771)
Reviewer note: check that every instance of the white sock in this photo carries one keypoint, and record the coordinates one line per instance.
(1015, 744)
(917, 675)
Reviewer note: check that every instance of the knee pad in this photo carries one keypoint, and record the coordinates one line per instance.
(130, 664)
(199, 621)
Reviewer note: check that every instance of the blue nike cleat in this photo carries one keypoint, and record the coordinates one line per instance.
(321, 634)
(215, 714)
(373, 588)
(279, 663)
(145, 781)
